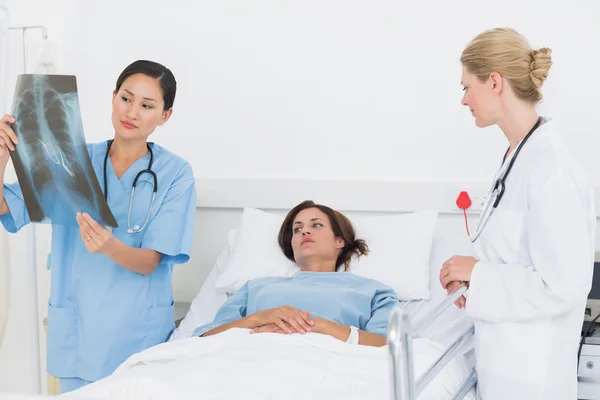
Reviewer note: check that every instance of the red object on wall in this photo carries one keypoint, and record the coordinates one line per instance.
(463, 201)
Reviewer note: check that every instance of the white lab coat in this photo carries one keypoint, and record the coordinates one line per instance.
(528, 291)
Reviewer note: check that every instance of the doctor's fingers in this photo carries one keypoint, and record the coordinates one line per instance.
(445, 277)
(6, 140)
(6, 119)
(101, 231)
(461, 302)
(88, 240)
(448, 279)
(98, 234)
(452, 286)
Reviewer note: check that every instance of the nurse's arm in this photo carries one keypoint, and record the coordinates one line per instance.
(99, 240)
(142, 261)
(562, 254)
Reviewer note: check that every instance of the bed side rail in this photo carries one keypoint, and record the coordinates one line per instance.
(400, 334)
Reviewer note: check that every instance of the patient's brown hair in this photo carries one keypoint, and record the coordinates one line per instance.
(341, 226)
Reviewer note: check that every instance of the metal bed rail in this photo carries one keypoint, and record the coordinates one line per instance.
(401, 331)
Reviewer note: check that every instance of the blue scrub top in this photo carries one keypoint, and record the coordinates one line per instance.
(100, 313)
(343, 297)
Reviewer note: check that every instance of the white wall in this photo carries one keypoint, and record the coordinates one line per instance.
(319, 89)
(330, 89)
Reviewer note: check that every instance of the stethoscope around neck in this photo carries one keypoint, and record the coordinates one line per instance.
(136, 228)
(499, 186)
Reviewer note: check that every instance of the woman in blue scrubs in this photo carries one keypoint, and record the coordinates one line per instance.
(322, 298)
(111, 292)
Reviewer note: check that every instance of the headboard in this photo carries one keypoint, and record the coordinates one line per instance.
(220, 203)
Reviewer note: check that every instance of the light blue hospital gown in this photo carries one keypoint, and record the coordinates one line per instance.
(343, 297)
(100, 313)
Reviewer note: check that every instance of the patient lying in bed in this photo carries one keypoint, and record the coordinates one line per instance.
(311, 312)
(322, 297)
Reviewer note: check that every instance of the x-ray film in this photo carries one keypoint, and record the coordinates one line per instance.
(51, 159)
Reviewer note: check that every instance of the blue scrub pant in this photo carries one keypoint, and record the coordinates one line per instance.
(70, 384)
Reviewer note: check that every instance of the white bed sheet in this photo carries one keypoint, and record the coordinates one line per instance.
(443, 332)
(237, 364)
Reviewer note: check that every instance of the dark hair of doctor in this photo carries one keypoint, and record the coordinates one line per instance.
(162, 74)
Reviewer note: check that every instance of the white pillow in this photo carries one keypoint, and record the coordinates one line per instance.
(257, 253)
(400, 249)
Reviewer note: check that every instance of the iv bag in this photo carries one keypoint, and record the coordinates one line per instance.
(47, 63)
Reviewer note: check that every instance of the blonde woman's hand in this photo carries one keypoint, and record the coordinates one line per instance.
(457, 268)
(8, 139)
(461, 302)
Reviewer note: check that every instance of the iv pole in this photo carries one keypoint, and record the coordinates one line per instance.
(31, 245)
(24, 29)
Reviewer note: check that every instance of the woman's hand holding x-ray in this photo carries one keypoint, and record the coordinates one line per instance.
(96, 238)
(100, 240)
(8, 139)
(454, 272)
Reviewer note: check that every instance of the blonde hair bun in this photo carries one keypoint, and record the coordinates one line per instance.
(540, 66)
(508, 52)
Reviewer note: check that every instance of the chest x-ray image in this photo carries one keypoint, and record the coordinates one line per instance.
(51, 160)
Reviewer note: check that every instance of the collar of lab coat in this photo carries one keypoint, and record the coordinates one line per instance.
(547, 125)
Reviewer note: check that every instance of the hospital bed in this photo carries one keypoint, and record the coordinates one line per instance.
(401, 332)
(429, 353)
(437, 319)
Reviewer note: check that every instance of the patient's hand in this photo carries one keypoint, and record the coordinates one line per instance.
(269, 328)
(320, 325)
(288, 319)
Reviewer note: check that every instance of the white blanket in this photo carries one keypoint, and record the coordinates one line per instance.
(236, 364)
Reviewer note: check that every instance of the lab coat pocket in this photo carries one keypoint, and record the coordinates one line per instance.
(501, 237)
(62, 341)
(161, 323)
(520, 351)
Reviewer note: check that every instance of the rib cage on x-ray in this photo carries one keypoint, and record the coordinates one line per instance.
(51, 158)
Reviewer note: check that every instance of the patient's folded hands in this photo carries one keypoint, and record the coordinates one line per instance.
(285, 318)
(320, 325)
